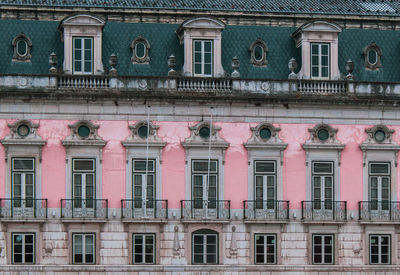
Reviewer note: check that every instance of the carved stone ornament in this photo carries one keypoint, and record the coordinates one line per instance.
(177, 248)
(233, 246)
(379, 139)
(323, 137)
(83, 133)
(22, 48)
(139, 133)
(140, 41)
(258, 58)
(23, 133)
(265, 136)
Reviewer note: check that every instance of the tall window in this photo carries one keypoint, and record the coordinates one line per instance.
(83, 55)
(83, 190)
(379, 249)
(23, 182)
(83, 248)
(144, 247)
(144, 191)
(265, 248)
(204, 183)
(205, 247)
(23, 248)
(203, 57)
(323, 249)
(323, 185)
(265, 184)
(320, 60)
(379, 185)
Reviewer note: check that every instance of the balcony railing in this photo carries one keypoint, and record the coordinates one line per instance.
(379, 210)
(83, 81)
(204, 84)
(266, 210)
(322, 87)
(23, 208)
(324, 210)
(84, 208)
(205, 209)
(137, 209)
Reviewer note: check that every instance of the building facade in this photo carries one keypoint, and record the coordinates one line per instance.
(199, 138)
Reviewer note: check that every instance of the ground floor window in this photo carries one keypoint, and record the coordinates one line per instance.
(265, 248)
(23, 248)
(84, 248)
(323, 249)
(205, 247)
(144, 248)
(379, 249)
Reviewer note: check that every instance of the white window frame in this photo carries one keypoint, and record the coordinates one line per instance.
(143, 247)
(23, 173)
(389, 255)
(323, 236)
(144, 183)
(83, 55)
(203, 64)
(83, 173)
(204, 245)
(320, 56)
(265, 246)
(265, 176)
(24, 234)
(323, 176)
(379, 177)
(83, 235)
(205, 175)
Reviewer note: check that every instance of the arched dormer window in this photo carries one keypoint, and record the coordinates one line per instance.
(258, 53)
(140, 50)
(201, 37)
(372, 54)
(22, 48)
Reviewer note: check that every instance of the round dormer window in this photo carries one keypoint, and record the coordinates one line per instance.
(142, 131)
(22, 48)
(265, 133)
(83, 131)
(379, 135)
(323, 134)
(23, 130)
(204, 132)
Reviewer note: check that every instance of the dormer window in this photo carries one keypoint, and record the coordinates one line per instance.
(320, 60)
(140, 50)
(22, 48)
(372, 54)
(202, 46)
(82, 35)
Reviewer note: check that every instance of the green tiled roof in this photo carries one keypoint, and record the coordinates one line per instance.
(117, 38)
(360, 7)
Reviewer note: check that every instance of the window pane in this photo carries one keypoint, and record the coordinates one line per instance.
(23, 164)
(202, 166)
(83, 165)
(321, 167)
(266, 167)
(140, 165)
(324, 49)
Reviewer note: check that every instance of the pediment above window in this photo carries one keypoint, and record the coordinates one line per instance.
(200, 23)
(83, 133)
(202, 135)
(82, 20)
(143, 136)
(265, 136)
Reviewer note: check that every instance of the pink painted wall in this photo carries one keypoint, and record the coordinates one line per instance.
(173, 161)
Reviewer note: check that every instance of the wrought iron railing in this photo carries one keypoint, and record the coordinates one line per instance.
(379, 210)
(266, 210)
(324, 210)
(205, 209)
(322, 87)
(84, 208)
(144, 209)
(23, 208)
(204, 84)
(83, 81)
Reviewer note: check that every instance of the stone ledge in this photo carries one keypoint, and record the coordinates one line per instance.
(142, 220)
(10, 220)
(80, 220)
(250, 221)
(205, 221)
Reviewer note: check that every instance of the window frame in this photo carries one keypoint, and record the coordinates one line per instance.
(205, 233)
(204, 180)
(265, 176)
(379, 184)
(322, 182)
(203, 63)
(153, 172)
(23, 245)
(319, 64)
(83, 55)
(265, 250)
(323, 249)
(380, 248)
(83, 174)
(23, 181)
(154, 244)
(83, 248)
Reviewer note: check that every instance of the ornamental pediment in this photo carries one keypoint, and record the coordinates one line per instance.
(82, 20)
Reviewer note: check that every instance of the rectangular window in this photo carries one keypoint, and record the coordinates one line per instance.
(83, 250)
(323, 249)
(202, 188)
(265, 184)
(320, 59)
(379, 185)
(144, 191)
(379, 249)
(23, 248)
(265, 248)
(205, 248)
(84, 183)
(203, 57)
(322, 185)
(144, 247)
(82, 55)
(23, 182)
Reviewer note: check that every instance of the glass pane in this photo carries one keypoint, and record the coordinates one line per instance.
(328, 259)
(89, 244)
(324, 49)
(207, 58)
(88, 44)
(266, 167)
(140, 50)
(83, 165)
(140, 165)
(207, 46)
(314, 49)
(21, 47)
(197, 68)
(324, 61)
(78, 43)
(323, 167)
(207, 69)
(202, 166)
(197, 46)
(78, 244)
(23, 164)
(324, 72)
(258, 53)
(88, 66)
(314, 60)
(78, 66)
(372, 57)
(315, 71)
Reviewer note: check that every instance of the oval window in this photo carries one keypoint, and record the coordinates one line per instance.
(323, 134)
(265, 133)
(140, 50)
(22, 48)
(204, 132)
(258, 53)
(23, 130)
(83, 131)
(142, 131)
(380, 135)
(372, 57)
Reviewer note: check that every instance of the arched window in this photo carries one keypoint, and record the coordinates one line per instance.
(372, 54)
(205, 247)
(22, 48)
(140, 50)
(258, 53)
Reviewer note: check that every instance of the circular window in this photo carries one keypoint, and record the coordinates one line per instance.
(265, 133)
(83, 131)
(23, 130)
(323, 134)
(258, 53)
(142, 131)
(140, 50)
(22, 48)
(204, 132)
(372, 57)
(380, 135)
